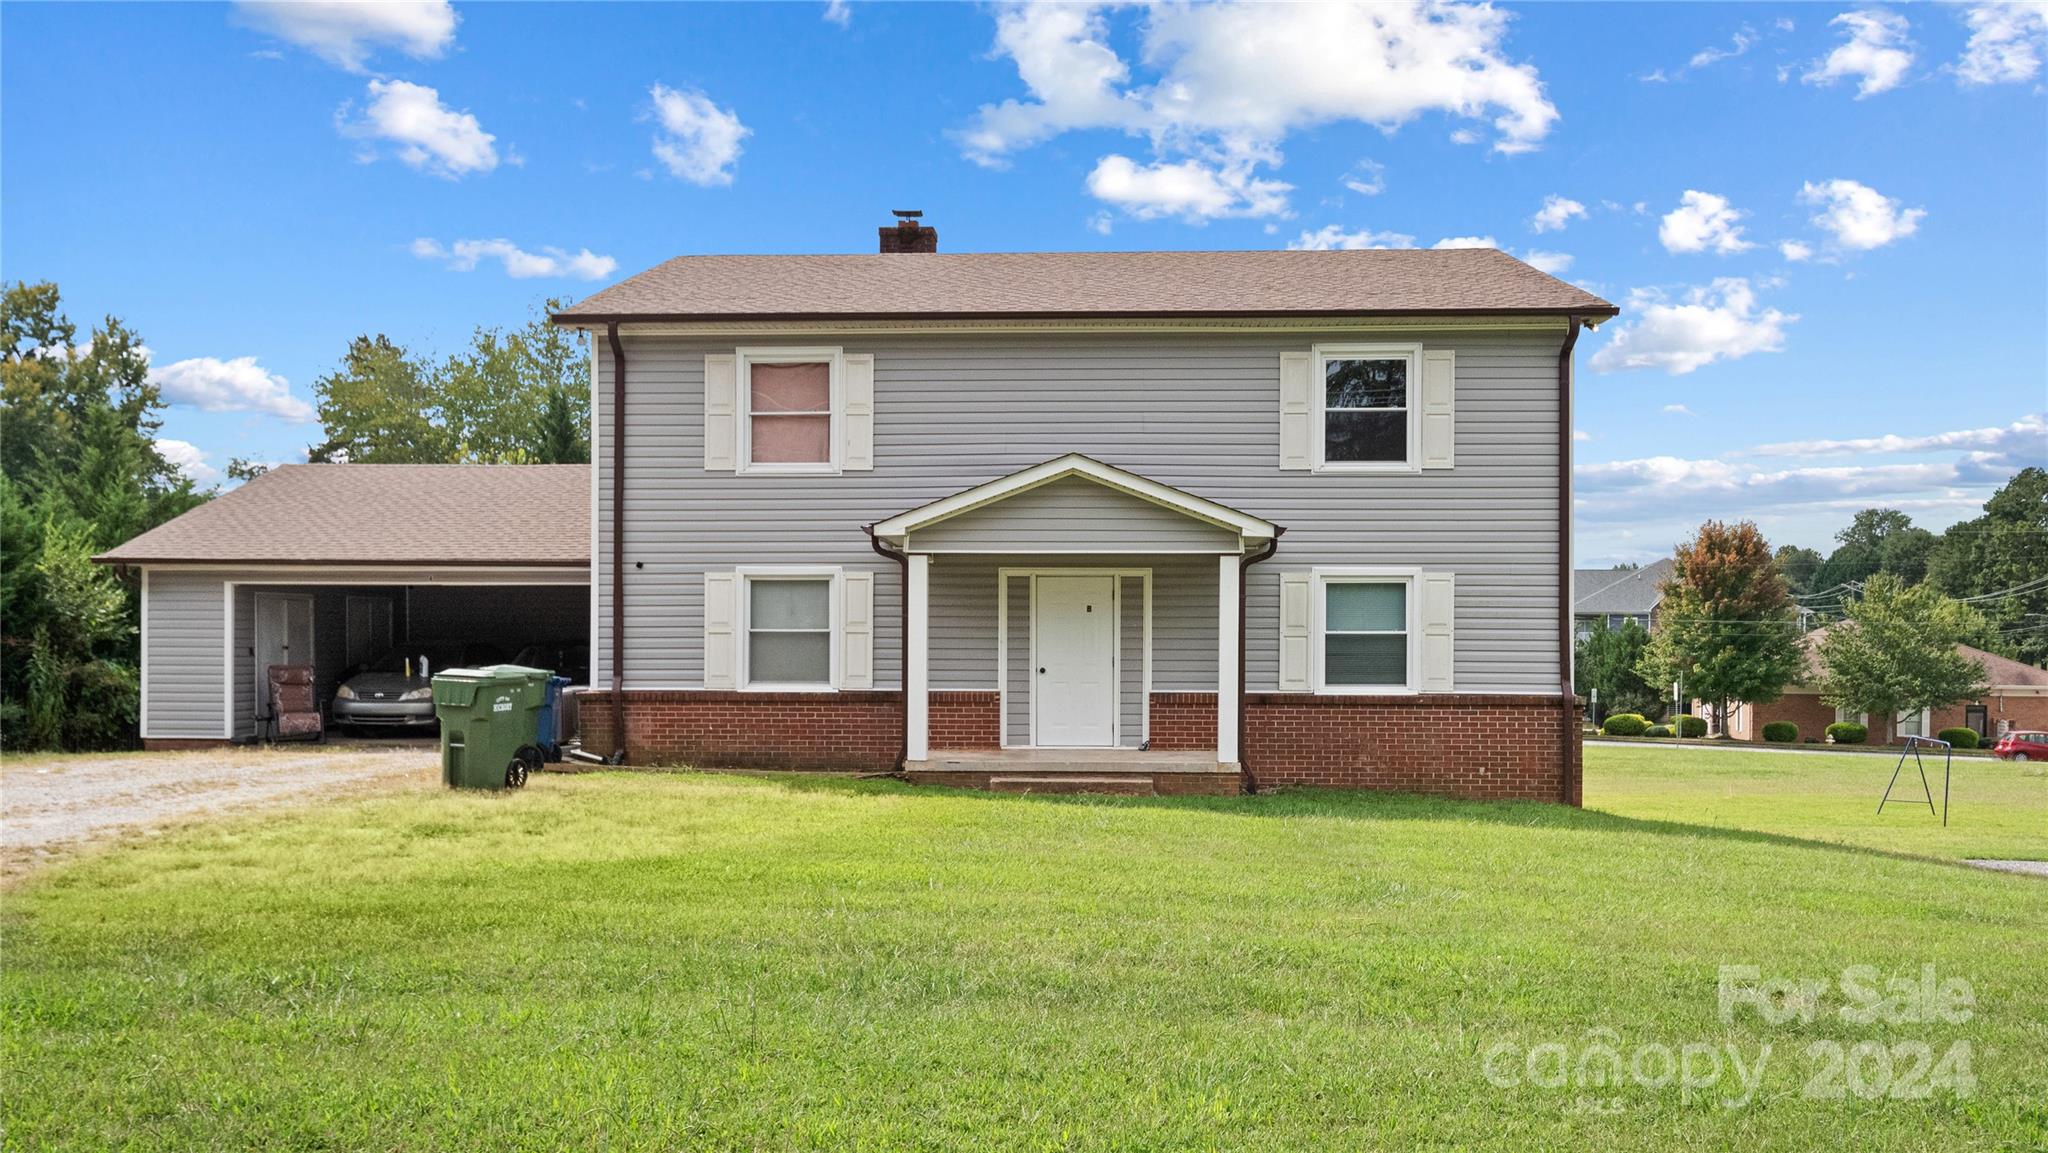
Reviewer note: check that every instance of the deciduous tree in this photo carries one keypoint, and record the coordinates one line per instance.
(1896, 651)
(2003, 556)
(1726, 626)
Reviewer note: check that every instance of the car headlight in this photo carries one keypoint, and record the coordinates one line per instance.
(344, 693)
(424, 694)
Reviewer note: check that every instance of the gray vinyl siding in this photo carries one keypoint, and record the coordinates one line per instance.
(182, 651)
(1073, 515)
(1199, 411)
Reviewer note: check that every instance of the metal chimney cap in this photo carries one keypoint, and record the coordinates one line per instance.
(906, 214)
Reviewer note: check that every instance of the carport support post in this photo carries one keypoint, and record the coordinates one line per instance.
(1227, 700)
(917, 661)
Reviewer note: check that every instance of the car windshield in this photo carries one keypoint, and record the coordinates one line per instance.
(395, 662)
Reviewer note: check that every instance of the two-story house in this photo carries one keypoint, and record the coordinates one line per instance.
(1199, 519)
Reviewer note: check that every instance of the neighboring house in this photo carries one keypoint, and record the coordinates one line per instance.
(336, 565)
(1301, 517)
(1614, 597)
(2017, 698)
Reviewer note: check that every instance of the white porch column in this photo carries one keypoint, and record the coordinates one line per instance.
(1227, 575)
(917, 661)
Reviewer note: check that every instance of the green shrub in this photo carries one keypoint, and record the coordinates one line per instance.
(1781, 732)
(1625, 725)
(1847, 733)
(1691, 726)
(1657, 731)
(1959, 738)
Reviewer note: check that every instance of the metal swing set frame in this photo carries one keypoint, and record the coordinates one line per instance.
(1913, 747)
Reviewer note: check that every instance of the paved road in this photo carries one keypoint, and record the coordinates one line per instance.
(52, 803)
(1891, 751)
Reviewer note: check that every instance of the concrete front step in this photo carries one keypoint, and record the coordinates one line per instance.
(1127, 785)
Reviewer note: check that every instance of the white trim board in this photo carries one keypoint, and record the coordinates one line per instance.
(1187, 504)
(1334, 323)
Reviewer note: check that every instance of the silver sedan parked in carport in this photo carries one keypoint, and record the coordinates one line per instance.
(394, 691)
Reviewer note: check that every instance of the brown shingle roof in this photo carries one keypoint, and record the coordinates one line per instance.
(990, 285)
(455, 514)
(1999, 672)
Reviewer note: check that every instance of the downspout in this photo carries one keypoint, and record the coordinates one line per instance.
(1243, 692)
(1569, 695)
(618, 755)
(902, 560)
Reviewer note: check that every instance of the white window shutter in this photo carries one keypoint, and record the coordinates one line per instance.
(1296, 423)
(858, 422)
(721, 643)
(857, 631)
(1295, 590)
(1439, 604)
(1439, 424)
(721, 413)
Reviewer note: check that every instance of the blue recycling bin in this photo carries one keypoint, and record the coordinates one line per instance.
(550, 739)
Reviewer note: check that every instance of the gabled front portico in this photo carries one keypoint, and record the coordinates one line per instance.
(1073, 606)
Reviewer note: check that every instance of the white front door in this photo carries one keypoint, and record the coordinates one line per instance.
(1074, 684)
(284, 636)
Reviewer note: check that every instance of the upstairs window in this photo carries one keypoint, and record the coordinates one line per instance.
(1365, 409)
(788, 400)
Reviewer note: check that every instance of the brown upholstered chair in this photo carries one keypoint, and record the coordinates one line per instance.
(293, 711)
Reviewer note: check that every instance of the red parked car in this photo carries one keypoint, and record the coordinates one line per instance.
(2022, 746)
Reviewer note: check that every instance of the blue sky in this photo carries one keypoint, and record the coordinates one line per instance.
(1827, 224)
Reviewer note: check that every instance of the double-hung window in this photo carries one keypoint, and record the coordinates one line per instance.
(1366, 420)
(789, 405)
(789, 630)
(1365, 626)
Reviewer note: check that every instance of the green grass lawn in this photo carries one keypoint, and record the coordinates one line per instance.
(670, 961)
(1997, 809)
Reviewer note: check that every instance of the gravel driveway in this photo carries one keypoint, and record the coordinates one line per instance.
(52, 803)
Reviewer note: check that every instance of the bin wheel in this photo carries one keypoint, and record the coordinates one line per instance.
(532, 757)
(515, 774)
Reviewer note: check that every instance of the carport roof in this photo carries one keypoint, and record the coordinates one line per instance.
(523, 515)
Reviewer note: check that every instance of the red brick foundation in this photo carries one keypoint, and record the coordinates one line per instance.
(1493, 747)
(1183, 721)
(1486, 747)
(966, 720)
(715, 729)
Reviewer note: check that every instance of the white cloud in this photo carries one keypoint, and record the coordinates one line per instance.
(239, 385)
(428, 135)
(1703, 221)
(1102, 223)
(1190, 190)
(1877, 52)
(1580, 434)
(1677, 410)
(1554, 263)
(699, 141)
(838, 12)
(187, 458)
(1743, 40)
(1214, 94)
(2007, 42)
(1720, 321)
(1333, 236)
(1467, 242)
(1557, 211)
(346, 33)
(1367, 178)
(2025, 441)
(1795, 250)
(1858, 216)
(464, 255)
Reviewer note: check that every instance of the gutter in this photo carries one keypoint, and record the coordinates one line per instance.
(613, 319)
(902, 560)
(618, 753)
(1243, 691)
(1568, 701)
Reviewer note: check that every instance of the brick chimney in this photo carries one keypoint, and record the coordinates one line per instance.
(907, 235)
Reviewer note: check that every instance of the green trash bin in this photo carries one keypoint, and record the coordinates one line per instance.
(490, 725)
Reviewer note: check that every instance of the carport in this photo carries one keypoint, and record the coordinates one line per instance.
(334, 566)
